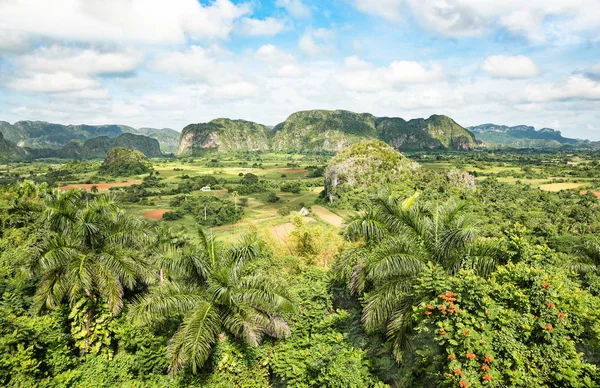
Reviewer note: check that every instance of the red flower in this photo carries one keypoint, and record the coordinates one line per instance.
(429, 307)
(485, 367)
(546, 285)
(551, 305)
(548, 327)
(466, 331)
(463, 384)
(428, 313)
(487, 377)
(441, 307)
(451, 357)
(443, 332)
(458, 372)
(561, 315)
(488, 359)
(471, 356)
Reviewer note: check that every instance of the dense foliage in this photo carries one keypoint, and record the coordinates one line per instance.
(463, 273)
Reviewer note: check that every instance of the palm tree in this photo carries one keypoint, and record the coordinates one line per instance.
(211, 287)
(400, 239)
(92, 253)
(587, 262)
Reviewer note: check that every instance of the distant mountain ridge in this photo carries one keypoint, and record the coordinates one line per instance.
(322, 130)
(98, 147)
(522, 136)
(42, 134)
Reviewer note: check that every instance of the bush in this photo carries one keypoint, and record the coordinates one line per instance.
(172, 216)
(272, 197)
(284, 211)
(290, 187)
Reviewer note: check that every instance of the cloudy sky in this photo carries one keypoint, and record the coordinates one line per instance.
(167, 63)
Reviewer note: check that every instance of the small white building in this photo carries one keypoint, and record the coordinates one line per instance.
(304, 212)
(205, 188)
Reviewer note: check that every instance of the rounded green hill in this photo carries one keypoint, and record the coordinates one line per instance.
(365, 165)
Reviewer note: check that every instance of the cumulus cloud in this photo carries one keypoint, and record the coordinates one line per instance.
(87, 61)
(316, 42)
(266, 27)
(283, 64)
(52, 82)
(519, 66)
(13, 41)
(296, 8)
(234, 90)
(194, 63)
(361, 76)
(576, 87)
(537, 20)
(123, 21)
(387, 9)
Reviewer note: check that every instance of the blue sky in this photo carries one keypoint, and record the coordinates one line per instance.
(165, 63)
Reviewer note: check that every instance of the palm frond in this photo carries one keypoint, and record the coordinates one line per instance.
(193, 342)
(169, 299)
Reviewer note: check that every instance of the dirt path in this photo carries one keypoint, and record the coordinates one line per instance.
(155, 214)
(328, 216)
(100, 186)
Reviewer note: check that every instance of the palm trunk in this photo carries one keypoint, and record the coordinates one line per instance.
(161, 276)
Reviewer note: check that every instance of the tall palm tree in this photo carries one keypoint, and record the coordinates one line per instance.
(211, 287)
(92, 252)
(400, 239)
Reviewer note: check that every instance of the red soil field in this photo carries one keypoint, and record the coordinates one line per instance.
(155, 214)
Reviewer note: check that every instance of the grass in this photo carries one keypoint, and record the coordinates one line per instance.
(561, 186)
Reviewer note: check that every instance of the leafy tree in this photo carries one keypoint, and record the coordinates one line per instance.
(400, 238)
(91, 255)
(213, 289)
(249, 179)
(525, 326)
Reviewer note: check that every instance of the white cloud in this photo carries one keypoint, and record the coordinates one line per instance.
(387, 9)
(316, 42)
(88, 61)
(266, 27)
(361, 76)
(234, 90)
(13, 41)
(85, 94)
(194, 63)
(524, 22)
(52, 82)
(283, 64)
(123, 21)
(295, 8)
(576, 87)
(561, 21)
(518, 66)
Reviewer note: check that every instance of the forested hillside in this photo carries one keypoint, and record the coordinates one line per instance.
(521, 136)
(324, 131)
(44, 135)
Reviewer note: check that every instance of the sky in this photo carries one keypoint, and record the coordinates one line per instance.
(168, 63)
